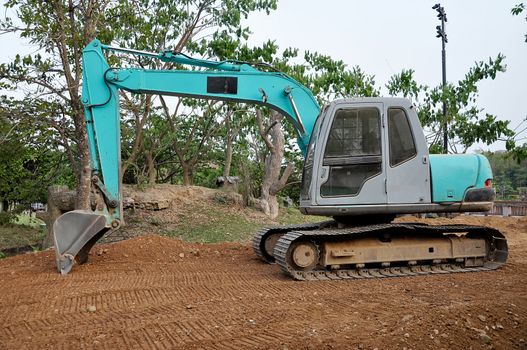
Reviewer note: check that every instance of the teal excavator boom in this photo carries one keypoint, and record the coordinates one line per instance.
(77, 231)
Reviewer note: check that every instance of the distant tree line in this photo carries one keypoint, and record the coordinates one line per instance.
(510, 176)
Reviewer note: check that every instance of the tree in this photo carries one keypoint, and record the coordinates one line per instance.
(181, 26)
(467, 122)
(59, 29)
(519, 152)
(509, 176)
(28, 164)
(517, 10)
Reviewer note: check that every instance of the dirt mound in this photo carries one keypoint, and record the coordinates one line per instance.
(161, 196)
(154, 292)
(194, 213)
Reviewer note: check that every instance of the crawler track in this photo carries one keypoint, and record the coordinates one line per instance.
(496, 257)
(263, 234)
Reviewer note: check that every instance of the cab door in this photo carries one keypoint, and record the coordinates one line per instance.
(353, 170)
(407, 163)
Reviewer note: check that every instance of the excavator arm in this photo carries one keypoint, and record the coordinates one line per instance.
(75, 232)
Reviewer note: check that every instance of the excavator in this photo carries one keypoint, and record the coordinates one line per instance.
(366, 162)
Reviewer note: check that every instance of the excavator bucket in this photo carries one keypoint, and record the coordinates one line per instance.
(74, 234)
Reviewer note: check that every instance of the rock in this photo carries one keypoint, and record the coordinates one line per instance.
(406, 335)
(407, 318)
(485, 339)
(181, 255)
(499, 326)
(482, 318)
(91, 308)
(436, 332)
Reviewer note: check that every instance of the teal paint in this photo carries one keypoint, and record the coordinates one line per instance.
(453, 174)
(194, 84)
(101, 109)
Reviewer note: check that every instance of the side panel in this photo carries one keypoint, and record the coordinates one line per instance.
(453, 174)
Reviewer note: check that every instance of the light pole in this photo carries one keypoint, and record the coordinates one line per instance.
(442, 34)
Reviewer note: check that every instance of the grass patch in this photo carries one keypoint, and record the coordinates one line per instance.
(291, 216)
(14, 236)
(28, 220)
(219, 226)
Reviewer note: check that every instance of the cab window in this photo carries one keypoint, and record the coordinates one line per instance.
(402, 143)
(353, 151)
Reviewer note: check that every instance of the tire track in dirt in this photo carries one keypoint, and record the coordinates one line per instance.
(146, 296)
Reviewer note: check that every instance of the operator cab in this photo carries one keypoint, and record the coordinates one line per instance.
(372, 158)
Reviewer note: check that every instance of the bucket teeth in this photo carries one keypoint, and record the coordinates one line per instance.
(74, 234)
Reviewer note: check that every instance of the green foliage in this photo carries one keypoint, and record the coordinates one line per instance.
(29, 160)
(6, 218)
(517, 10)
(404, 83)
(509, 175)
(467, 124)
(50, 77)
(330, 79)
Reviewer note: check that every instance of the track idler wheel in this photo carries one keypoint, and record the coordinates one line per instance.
(269, 244)
(74, 234)
(303, 256)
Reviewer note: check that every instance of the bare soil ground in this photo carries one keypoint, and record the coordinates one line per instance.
(154, 292)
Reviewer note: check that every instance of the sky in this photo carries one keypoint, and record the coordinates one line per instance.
(383, 37)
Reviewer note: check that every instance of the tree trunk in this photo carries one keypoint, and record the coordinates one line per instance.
(84, 178)
(60, 200)
(273, 182)
(152, 172)
(228, 157)
(84, 185)
(228, 145)
(186, 174)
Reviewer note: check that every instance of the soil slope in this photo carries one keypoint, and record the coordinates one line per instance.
(160, 293)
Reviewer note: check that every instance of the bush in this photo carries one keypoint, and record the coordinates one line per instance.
(6, 218)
